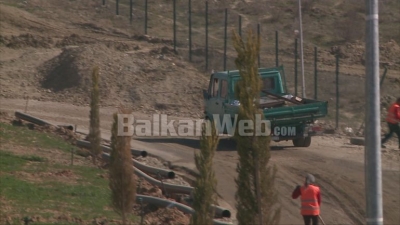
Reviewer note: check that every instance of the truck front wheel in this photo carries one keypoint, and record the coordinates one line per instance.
(302, 142)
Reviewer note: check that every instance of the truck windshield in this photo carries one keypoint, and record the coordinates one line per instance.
(268, 84)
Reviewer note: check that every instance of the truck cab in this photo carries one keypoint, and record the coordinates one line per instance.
(291, 117)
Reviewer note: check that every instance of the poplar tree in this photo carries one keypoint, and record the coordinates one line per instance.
(94, 131)
(204, 194)
(121, 179)
(256, 196)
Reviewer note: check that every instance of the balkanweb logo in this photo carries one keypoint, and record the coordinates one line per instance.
(160, 126)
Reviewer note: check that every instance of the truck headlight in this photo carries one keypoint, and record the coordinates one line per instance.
(235, 103)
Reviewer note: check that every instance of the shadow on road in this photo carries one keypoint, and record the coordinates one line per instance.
(225, 144)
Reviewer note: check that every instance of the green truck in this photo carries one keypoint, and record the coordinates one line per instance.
(290, 117)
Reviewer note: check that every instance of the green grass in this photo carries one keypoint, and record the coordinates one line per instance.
(24, 137)
(10, 162)
(87, 198)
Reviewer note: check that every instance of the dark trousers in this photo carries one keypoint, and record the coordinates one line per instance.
(393, 129)
(308, 219)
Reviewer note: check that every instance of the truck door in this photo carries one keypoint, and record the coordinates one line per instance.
(215, 102)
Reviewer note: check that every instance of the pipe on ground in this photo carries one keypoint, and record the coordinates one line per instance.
(86, 144)
(166, 173)
(40, 122)
(221, 212)
(153, 170)
(218, 211)
(135, 151)
(68, 127)
(171, 188)
(148, 169)
(32, 119)
(169, 204)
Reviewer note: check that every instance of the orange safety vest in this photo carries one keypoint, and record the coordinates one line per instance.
(309, 201)
(393, 114)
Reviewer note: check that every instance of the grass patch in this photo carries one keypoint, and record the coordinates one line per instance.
(10, 162)
(22, 136)
(86, 198)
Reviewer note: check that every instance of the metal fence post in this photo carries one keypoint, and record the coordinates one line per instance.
(174, 28)
(130, 11)
(240, 25)
(145, 16)
(206, 35)
(337, 91)
(190, 30)
(276, 49)
(259, 37)
(117, 7)
(315, 73)
(295, 67)
(225, 36)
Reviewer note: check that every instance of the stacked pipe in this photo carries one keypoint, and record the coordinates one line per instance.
(138, 169)
(167, 203)
(172, 188)
(40, 122)
(86, 144)
(219, 211)
(148, 169)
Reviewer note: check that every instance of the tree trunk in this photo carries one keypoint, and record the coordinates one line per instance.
(94, 158)
(257, 178)
(123, 218)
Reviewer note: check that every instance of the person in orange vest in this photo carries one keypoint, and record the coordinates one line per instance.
(310, 197)
(393, 121)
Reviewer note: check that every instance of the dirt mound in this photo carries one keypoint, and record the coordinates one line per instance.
(26, 40)
(62, 71)
(167, 216)
(140, 78)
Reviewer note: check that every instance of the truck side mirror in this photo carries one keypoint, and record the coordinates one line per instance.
(205, 94)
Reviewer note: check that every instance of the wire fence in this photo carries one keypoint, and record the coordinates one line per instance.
(201, 31)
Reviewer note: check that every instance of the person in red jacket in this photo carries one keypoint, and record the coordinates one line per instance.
(310, 197)
(393, 121)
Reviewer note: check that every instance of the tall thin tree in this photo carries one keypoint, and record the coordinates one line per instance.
(121, 179)
(94, 132)
(255, 196)
(205, 186)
